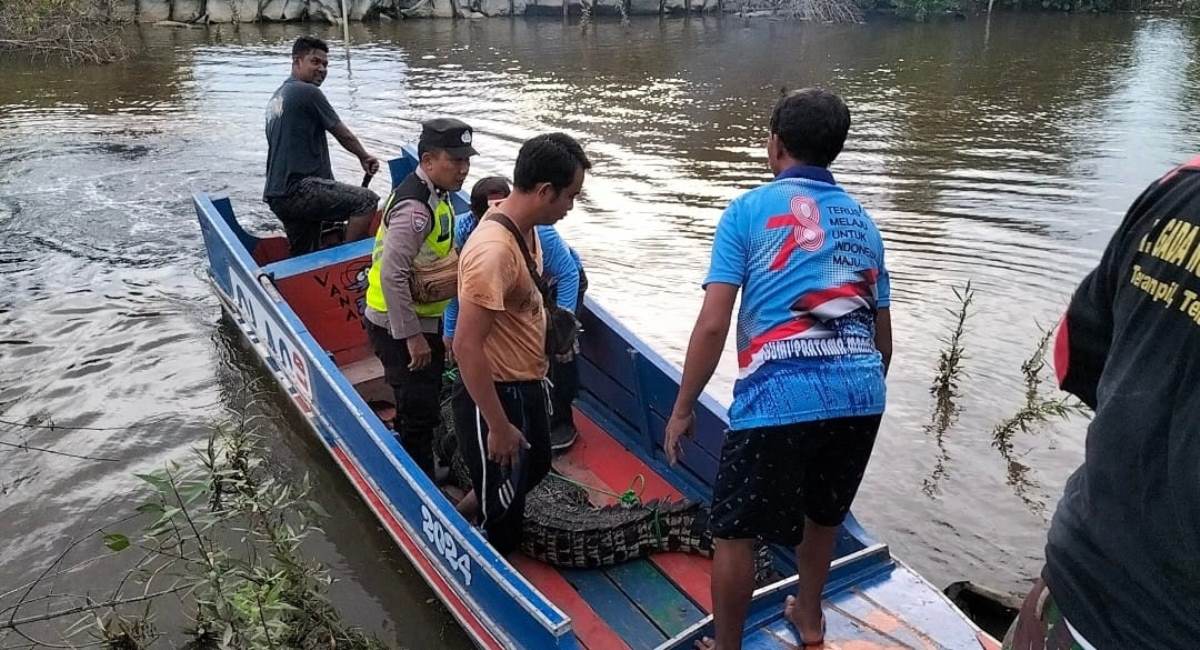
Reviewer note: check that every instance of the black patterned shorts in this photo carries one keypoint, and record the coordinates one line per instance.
(311, 201)
(771, 478)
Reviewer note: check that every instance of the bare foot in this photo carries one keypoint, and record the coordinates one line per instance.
(812, 633)
(707, 643)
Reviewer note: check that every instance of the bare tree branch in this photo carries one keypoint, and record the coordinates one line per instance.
(24, 446)
(52, 426)
(13, 624)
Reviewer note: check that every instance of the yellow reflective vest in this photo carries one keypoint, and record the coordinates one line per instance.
(437, 245)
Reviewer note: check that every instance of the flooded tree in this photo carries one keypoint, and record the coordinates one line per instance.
(76, 30)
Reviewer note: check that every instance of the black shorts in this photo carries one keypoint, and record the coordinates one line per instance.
(501, 490)
(771, 478)
(311, 201)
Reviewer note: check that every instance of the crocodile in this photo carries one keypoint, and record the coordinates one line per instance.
(564, 529)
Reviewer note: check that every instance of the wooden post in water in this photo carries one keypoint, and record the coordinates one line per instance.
(346, 28)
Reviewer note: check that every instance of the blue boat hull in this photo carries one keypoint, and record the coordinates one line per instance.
(628, 390)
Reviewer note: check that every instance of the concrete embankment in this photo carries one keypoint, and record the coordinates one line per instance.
(232, 11)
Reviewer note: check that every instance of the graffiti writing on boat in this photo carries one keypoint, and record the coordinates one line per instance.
(279, 348)
(443, 542)
(347, 284)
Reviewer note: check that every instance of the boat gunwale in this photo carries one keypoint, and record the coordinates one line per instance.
(483, 620)
(503, 574)
(874, 559)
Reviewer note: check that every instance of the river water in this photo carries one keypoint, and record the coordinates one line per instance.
(1003, 153)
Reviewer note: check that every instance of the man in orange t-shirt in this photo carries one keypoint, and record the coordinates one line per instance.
(503, 419)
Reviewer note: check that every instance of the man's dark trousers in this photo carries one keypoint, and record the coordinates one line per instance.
(418, 410)
(564, 375)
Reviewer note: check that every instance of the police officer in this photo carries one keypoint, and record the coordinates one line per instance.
(412, 277)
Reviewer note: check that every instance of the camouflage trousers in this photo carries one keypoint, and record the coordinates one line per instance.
(1040, 625)
(310, 203)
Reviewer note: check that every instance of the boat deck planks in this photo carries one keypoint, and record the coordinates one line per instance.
(593, 632)
(918, 607)
(597, 459)
(870, 614)
(841, 633)
(614, 464)
(645, 600)
(669, 609)
(691, 574)
(615, 607)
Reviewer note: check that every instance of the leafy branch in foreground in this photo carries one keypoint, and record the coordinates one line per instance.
(945, 387)
(1036, 410)
(223, 537)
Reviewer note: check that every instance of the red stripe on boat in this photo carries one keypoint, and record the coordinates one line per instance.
(591, 630)
(452, 600)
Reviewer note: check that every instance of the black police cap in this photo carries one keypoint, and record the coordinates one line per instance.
(448, 134)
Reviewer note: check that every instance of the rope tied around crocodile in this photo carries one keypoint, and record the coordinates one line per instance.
(630, 498)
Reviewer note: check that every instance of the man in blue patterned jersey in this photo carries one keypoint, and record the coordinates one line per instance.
(813, 343)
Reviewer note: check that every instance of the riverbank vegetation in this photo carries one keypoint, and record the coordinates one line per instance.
(220, 542)
(923, 10)
(1036, 410)
(87, 31)
(945, 387)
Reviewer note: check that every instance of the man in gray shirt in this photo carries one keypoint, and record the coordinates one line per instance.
(415, 241)
(300, 188)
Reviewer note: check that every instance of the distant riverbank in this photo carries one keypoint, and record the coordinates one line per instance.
(232, 11)
(330, 11)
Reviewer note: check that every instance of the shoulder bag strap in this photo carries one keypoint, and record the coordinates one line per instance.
(538, 280)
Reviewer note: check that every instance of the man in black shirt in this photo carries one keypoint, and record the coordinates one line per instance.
(1123, 555)
(300, 187)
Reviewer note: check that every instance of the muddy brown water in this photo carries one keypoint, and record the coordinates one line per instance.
(1003, 153)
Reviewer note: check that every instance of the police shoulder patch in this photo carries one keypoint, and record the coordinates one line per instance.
(419, 221)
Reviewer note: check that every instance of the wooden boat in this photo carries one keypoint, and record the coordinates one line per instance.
(302, 317)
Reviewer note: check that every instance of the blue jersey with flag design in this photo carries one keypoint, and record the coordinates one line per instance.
(810, 264)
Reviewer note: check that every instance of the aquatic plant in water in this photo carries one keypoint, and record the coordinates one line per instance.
(223, 536)
(1036, 410)
(945, 387)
